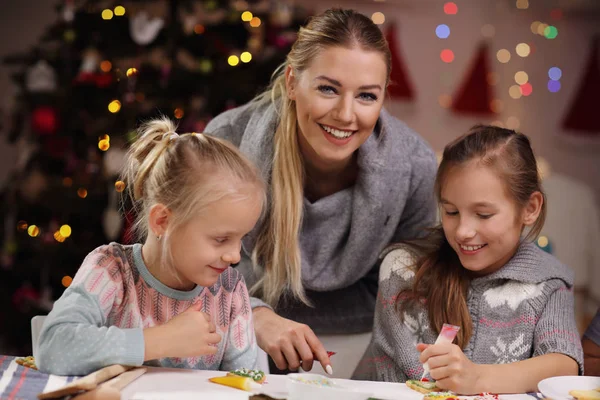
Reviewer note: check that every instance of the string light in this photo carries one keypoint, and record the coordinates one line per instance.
(233, 60)
(515, 92)
(550, 32)
(178, 113)
(526, 89)
(119, 11)
(22, 226)
(105, 66)
(114, 106)
(67, 182)
(104, 145)
(521, 77)
(65, 230)
(247, 16)
(246, 57)
(58, 237)
(81, 192)
(522, 4)
(33, 231)
(107, 14)
(119, 186)
(553, 86)
(66, 281)
(132, 72)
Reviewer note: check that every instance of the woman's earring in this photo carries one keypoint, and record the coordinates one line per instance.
(158, 237)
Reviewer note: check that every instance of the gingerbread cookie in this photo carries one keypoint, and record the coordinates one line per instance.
(256, 375)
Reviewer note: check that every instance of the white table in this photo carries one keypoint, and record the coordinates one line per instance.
(171, 384)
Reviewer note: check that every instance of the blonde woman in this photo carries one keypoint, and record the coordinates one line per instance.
(346, 179)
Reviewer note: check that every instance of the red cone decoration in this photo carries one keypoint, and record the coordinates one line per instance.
(475, 93)
(583, 115)
(400, 87)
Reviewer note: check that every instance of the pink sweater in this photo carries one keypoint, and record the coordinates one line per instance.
(99, 319)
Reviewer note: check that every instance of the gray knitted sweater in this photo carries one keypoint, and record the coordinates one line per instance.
(521, 311)
(343, 234)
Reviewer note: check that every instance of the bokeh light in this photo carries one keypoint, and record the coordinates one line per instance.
(119, 11)
(523, 49)
(442, 31)
(246, 57)
(515, 92)
(114, 106)
(178, 113)
(526, 89)
(554, 73)
(199, 29)
(66, 281)
(553, 86)
(65, 230)
(104, 145)
(107, 14)
(497, 106)
(503, 56)
(493, 78)
(450, 8)
(255, 22)
(513, 123)
(447, 55)
(488, 31)
(550, 32)
(233, 60)
(132, 72)
(247, 16)
(521, 77)
(81, 192)
(445, 100)
(33, 231)
(22, 226)
(378, 18)
(522, 4)
(105, 66)
(119, 186)
(534, 27)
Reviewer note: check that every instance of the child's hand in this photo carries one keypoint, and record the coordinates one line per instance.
(188, 334)
(451, 369)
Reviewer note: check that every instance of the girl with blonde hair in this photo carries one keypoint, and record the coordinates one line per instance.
(345, 180)
(173, 301)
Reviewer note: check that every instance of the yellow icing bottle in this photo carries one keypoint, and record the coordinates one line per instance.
(238, 382)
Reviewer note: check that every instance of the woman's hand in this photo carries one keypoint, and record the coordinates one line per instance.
(450, 368)
(289, 343)
(188, 334)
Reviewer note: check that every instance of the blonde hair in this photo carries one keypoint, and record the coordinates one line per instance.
(187, 173)
(277, 248)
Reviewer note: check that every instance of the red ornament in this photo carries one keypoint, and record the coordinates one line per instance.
(400, 86)
(44, 120)
(475, 94)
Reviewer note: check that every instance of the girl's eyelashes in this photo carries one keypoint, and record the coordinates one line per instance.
(451, 213)
(485, 216)
(221, 239)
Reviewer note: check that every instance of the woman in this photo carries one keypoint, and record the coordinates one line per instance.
(346, 179)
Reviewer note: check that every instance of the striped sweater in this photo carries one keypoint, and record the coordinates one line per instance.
(99, 319)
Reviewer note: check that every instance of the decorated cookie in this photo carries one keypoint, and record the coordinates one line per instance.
(28, 362)
(422, 386)
(440, 396)
(255, 374)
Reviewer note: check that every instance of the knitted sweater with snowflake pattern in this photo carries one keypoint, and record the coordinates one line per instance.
(100, 318)
(523, 310)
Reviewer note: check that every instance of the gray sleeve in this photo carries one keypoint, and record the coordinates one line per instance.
(593, 331)
(556, 330)
(75, 341)
(420, 210)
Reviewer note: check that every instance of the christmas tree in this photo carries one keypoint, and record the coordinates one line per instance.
(96, 73)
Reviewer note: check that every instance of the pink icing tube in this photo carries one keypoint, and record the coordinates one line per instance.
(447, 335)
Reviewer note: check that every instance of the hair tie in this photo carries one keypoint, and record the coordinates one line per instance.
(171, 135)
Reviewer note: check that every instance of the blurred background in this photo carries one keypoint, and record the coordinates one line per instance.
(77, 76)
